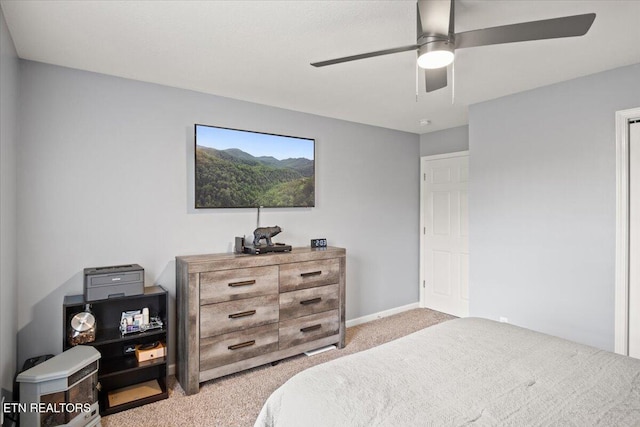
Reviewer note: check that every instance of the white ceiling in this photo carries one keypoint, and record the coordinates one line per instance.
(260, 51)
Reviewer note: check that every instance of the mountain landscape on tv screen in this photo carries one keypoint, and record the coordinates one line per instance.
(233, 178)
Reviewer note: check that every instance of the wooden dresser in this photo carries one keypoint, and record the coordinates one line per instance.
(236, 312)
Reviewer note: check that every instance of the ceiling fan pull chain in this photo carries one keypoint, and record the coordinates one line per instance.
(453, 82)
(417, 77)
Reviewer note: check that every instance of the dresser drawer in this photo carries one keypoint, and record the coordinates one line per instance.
(228, 285)
(308, 274)
(225, 317)
(308, 301)
(236, 346)
(309, 328)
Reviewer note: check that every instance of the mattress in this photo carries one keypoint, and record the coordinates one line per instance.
(464, 372)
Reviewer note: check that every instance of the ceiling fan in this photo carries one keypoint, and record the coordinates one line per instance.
(437, 40)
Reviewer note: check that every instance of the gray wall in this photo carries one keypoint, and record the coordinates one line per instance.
(8, 143)
(105, 177)
(444, 141)
(542, 205)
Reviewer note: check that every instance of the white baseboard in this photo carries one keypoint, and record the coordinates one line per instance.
(381, 314)
(171, 369)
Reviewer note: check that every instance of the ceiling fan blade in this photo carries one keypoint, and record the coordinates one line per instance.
(452, 19)
(568, 26)
(419, 29)
(435, 78)
(365, 55)
(433, 17)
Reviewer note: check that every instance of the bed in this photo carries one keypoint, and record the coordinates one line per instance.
(464, 372)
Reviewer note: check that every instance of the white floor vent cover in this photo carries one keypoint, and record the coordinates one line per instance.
(319, 350)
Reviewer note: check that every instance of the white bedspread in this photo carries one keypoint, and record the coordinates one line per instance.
(464, 372)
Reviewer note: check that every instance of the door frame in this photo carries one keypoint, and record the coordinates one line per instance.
(423, 188)
(621, 316)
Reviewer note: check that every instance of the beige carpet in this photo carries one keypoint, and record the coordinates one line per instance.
(236, 400)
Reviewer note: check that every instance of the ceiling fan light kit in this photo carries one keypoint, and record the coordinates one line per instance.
(437, 40)
(436, 54)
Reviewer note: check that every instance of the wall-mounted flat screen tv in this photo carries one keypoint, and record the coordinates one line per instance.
(245, 169)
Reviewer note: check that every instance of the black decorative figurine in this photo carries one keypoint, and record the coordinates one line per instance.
(265, 233)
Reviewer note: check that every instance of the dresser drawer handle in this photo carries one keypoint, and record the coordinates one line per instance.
(243, 314)
(312, 273)
(242, 345)
(311, 328)
(311, 301)
(245, 283)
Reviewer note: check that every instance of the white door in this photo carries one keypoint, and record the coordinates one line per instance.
(445, 233)
(634, 240)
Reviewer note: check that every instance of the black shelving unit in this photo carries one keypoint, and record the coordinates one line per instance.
(117, 369)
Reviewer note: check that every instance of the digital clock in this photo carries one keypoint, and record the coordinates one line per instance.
(318, 243)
